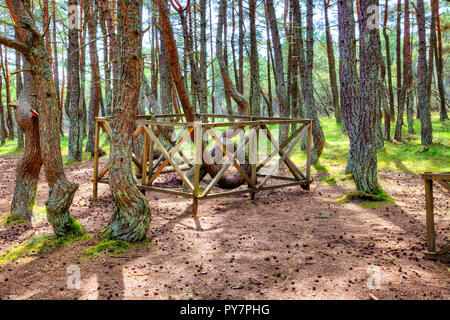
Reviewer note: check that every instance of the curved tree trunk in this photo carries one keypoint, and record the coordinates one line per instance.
(29, 167)
(241, 101)
(132, 215)
(32, 46)
(226, 182)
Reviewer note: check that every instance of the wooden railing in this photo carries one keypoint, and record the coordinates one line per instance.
(154, 131)
(442, 179)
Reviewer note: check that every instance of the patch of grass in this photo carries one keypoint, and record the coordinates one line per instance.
(405, 156)
(107, 246)
(10, 148)
(40, 245)
(367, 200)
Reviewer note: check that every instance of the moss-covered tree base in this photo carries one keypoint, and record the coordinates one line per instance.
(57, 205)
(129, 222)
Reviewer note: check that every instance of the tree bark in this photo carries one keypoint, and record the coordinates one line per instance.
(426, 131)
(319, 138)
(19, 87)
(332, 65)
(29, 167)
(132, 215)
(3, 132)
(439, 65)
(33, 48)
(400, 98)
(365, 173)
(349, 78)
(278, 68)
(95, 95)
(388, 62)
(255, 90)
(240, 100)
(75, 110)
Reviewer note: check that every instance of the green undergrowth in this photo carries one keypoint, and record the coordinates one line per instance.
(40, 245)
(367, 200)
(113, 247)
(109, 246)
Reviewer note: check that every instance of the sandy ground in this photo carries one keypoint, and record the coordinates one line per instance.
(277, 247)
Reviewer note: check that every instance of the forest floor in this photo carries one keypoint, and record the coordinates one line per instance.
(287, 244)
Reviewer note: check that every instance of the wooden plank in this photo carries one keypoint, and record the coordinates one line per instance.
(283, 156)
(436, 175)
(445, 184)
(164, 151)
(185, 159)
(96, 156)
(308, 157)
(291, 166)
(431, 241)
(145, 159)
(174, 150)
(235, 164)
(281, 147)
(224, 168)
(168, 191)
(104, 170)
(444, 250)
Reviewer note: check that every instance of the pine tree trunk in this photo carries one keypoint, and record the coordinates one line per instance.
(278, 68)
(349, 78)
(229, 88)
(365, 173)
(75, 109)
(439, 65)
(407, 75)
(95, 95)
(400, 98)
(426, 131)
(332, 65)
(19, 87)
(319, 138)
(29, 167)
(131, 217)
(3, 133)
(388, 63)
(61, 190)
(255, 90)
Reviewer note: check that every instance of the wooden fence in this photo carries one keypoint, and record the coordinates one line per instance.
(155, 131)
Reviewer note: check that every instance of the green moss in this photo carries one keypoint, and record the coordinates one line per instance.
(76, 229)
(14, 220)
(107, 246)
(367, 199)
(40, 245)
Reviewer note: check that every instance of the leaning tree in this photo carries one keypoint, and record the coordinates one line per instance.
(32, 46)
